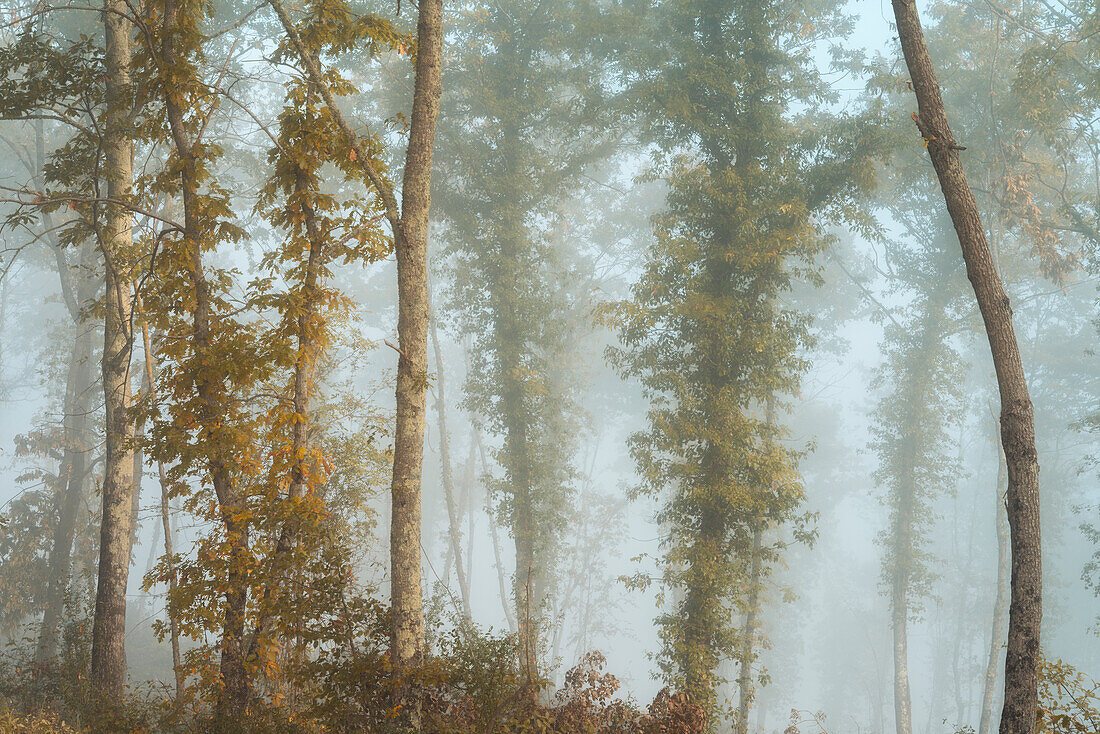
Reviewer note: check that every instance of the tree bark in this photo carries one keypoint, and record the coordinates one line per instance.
(411, 249)
(1017, 414)
(1000, 606)
(410, 240)
(108, 669)
(903, 707)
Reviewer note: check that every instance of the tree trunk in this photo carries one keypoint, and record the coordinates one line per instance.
(235, 691)
(411, 249)
(308, 327)
(1000, 606)
(746, 654)
(165, 527)
(1017, 415)
(903, 707)
(448, 477)
(73, 470)
(410, 240)
(109, 625)
(501, 582)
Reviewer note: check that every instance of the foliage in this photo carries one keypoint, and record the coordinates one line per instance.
(1069, 701)
(525, 119)
(707, 333)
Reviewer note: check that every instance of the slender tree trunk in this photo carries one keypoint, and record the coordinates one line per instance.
(454, 531)
(746, 654)
(236, 689)
(1000, 606)
(308, 329)
(528, 609)
(116, 239)
(138, 457)
(1017, 414)
(501, 582)
(468, 509)
(78, 393)
(165, 527)
(77, 406)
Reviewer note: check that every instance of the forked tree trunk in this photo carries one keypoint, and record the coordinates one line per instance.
(108, 670)
(1017, 414)
(1000, 606)
(502, 583)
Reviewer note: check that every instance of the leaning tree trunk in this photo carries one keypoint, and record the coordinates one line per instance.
(1000, 606)
(1017, 414)
(109, 625)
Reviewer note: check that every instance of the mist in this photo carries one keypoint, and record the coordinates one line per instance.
(602, 366)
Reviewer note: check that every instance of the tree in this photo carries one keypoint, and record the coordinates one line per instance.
(914, 448)
(1017, 413)
(706, 332)
(525, 120)
(116, 242)
(409, 226)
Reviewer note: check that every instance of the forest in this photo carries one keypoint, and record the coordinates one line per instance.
(550, 366)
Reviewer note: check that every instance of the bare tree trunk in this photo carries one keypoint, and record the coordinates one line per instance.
(116, 240)
(1000, 606)
(411, 248)
(1017, 414)
(448, 477)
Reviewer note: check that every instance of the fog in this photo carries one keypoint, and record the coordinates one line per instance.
(704, 384)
